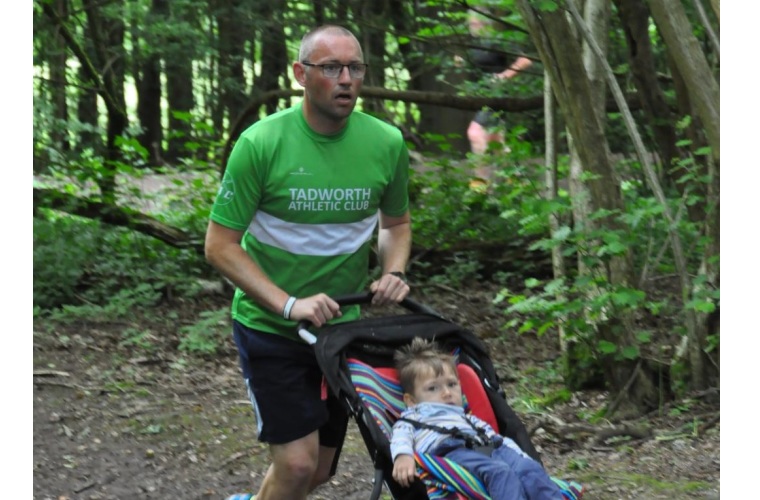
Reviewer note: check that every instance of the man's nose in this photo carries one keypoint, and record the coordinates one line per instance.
(345, 75)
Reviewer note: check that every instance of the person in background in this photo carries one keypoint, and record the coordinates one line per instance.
(486, 130)
(435, 423)
(292, 227)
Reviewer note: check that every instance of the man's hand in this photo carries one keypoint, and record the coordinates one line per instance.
(318, 309)
(404, 470)
(388, 289)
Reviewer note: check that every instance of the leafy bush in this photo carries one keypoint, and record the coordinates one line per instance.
(83, 261)
(62, 249)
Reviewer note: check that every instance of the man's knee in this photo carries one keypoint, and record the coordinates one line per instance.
(296, 462)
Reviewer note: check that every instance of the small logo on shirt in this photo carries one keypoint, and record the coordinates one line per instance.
(226, 192)
(301, 171)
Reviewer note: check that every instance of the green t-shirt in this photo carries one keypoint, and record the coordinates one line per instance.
(309, 205)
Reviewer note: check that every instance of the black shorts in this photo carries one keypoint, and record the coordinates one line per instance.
(488, 118)
(286, 388)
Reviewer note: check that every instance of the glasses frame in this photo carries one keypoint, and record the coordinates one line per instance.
(350, 73)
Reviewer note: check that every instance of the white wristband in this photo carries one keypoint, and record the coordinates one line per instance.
(288, 307)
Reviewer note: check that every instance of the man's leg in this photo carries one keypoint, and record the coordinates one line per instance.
(284, 385)
(324, 466)
(478, 137)
(292, 470)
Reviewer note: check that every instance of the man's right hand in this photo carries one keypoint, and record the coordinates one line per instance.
(317, 309)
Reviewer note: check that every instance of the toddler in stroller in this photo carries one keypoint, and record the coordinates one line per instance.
(357, 360)
(435, 422)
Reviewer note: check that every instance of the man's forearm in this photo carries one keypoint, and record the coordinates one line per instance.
(394, 247)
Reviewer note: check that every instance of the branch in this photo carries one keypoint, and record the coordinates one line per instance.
(443, 99)
(115, 216)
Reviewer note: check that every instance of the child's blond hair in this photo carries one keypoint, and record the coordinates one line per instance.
(420, 355)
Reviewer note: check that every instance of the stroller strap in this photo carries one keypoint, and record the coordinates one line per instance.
(480, 443)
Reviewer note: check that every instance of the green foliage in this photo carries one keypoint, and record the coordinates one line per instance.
(84, 263)
(61, 252)
(120, 306)
(206, 335)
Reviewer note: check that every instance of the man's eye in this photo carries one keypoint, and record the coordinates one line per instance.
(330, 68)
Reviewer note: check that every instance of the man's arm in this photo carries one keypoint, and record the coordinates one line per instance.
(519, 64)
(394, 244)
(223, 251)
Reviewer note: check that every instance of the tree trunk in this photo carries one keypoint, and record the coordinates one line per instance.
(149, 90)
(178, 65)
(704, 93)
(680, 42)
(634, 17)
(274, 54)
(551, 139)
(373, 15)
(234, 29)
(630, 384)
(57, 61)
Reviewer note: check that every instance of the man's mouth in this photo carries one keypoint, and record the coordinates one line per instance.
(344, 96)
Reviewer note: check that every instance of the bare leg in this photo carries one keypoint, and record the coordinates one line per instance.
(480, 142)
(293, 469)
(322, 475)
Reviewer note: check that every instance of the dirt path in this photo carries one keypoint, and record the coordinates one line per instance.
(114, 421)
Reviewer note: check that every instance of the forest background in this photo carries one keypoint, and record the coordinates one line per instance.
(626, 283)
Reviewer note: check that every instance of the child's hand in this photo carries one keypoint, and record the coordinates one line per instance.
(404, 470)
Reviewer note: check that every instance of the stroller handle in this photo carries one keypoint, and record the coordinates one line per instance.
(359, 299)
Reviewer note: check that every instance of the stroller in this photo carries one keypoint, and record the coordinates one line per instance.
(356, 359)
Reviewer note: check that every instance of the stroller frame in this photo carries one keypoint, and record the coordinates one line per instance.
(373, 341)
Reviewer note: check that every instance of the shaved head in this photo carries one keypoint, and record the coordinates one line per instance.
(310, 39)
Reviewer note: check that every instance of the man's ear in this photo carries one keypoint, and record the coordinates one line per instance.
(408, 399)
(299, 71)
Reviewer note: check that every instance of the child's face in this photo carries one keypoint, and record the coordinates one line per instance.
(432, 388)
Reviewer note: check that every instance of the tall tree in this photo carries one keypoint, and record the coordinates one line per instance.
(234, 29)
(704, 94)
(275, 67)
(57, 59)
(149, 92)
(561, 52)
(180, 51)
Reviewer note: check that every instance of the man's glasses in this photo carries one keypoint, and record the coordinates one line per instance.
(333, 70)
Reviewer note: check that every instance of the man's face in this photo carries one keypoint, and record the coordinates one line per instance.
(329, 101)
(432, 388)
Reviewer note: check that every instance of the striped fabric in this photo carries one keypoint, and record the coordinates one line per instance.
(381, 394)
(447, 480)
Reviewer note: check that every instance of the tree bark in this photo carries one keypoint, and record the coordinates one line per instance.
(274, 54)
(634, 17)
(691, 62)
(180, 96)
(149, 88)
(561, 54)
(234, 27)
(58, 55)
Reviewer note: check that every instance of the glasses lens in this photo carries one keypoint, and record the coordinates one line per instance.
(357, 70)
(332, 70)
